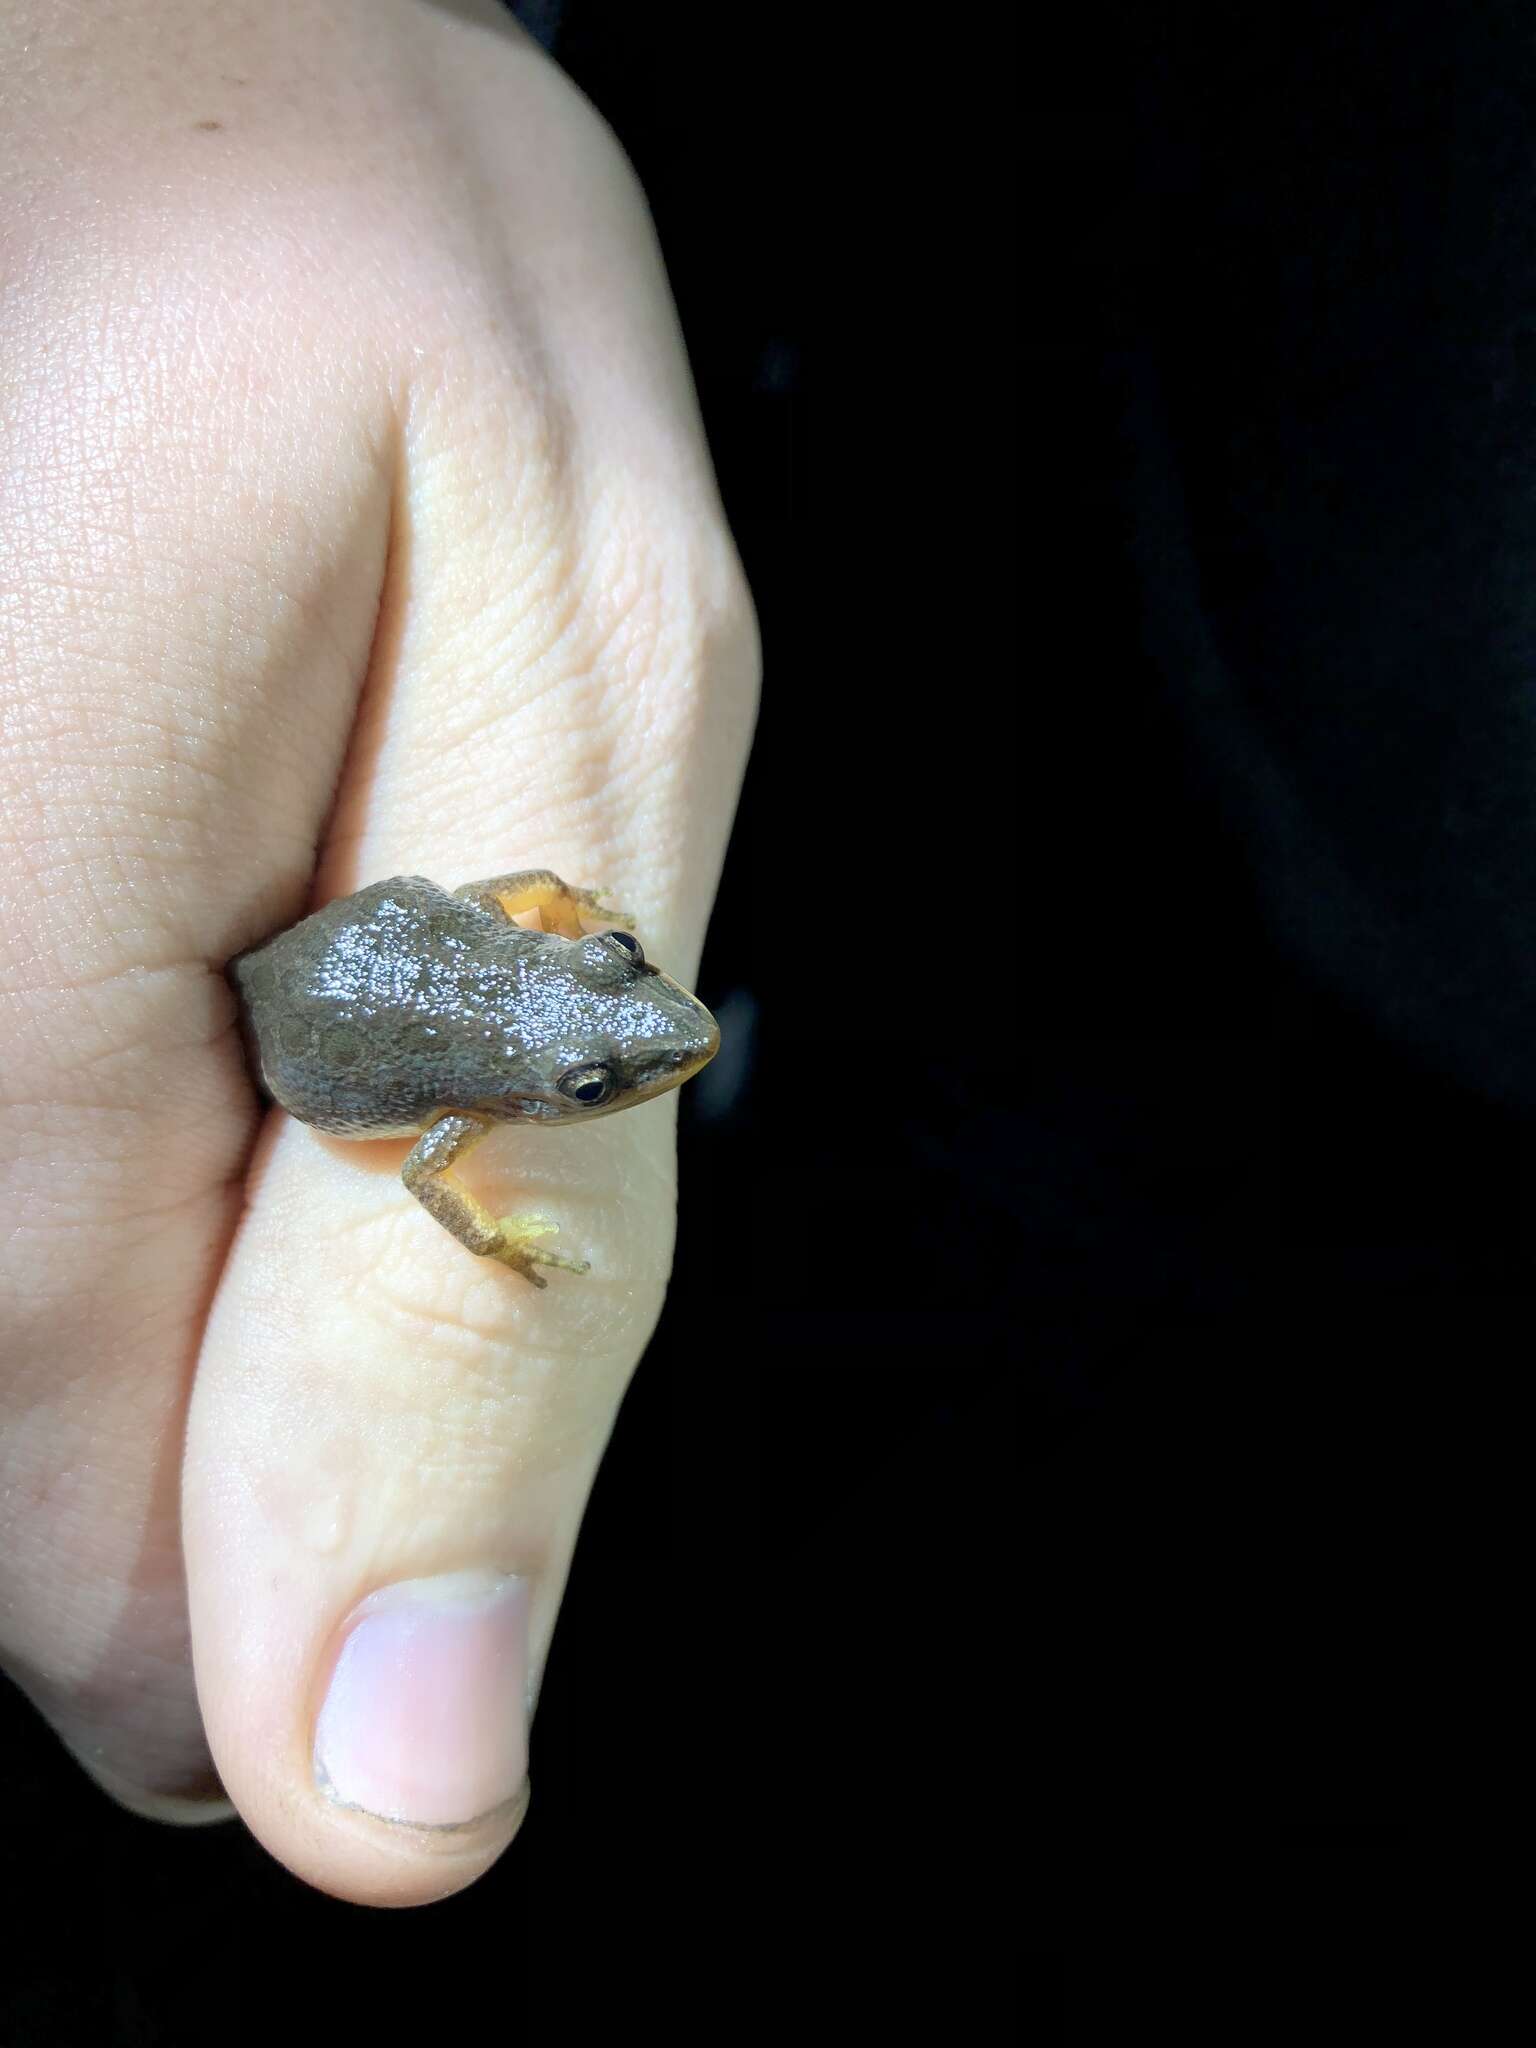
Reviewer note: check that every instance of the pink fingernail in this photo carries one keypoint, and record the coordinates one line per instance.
(424, 1721)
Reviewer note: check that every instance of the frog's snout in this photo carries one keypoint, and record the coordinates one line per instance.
(701, 1041)
(690, 1041)
(709, 1038)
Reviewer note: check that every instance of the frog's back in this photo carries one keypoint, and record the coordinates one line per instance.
(344, 1011)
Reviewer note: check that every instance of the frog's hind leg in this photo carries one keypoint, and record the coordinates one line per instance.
(511, 1239)
(539, 889)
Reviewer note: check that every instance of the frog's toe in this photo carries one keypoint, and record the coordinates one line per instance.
(520, 1227)
(591, 901)
(541, 1257)
(521, 1250)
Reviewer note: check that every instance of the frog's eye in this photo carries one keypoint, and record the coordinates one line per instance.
(590, 1086)
(630, 944)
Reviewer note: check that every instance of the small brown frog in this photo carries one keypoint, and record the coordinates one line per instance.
(407, 1011)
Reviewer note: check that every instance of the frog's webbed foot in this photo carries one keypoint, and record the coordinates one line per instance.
(514, 1239)
(558, 904)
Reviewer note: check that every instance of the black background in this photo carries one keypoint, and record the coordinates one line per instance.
(1081, 1427)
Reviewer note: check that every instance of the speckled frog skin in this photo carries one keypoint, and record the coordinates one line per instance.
(409, 1011)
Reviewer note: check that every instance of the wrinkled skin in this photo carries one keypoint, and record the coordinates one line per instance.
(355, 520)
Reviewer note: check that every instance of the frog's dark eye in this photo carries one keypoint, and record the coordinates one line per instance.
(630, 944)
(590, 1086)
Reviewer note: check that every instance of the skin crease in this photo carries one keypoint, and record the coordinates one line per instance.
(355, 520)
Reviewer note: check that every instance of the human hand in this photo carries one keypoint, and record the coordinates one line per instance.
(355, 519)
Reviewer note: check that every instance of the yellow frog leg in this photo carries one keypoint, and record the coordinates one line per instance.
(511, 1239)
(538, 889)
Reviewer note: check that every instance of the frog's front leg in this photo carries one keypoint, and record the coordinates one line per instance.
(513, 1239)
(539, 889)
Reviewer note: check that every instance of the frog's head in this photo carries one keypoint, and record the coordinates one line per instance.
(598, 1028)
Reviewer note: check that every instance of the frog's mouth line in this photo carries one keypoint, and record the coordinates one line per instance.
(544, 1110)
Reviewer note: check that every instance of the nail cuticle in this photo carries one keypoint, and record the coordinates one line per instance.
(509, 1813)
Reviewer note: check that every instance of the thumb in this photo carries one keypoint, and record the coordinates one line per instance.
(391, 1442)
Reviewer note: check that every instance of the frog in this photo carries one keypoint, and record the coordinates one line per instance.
(407, 1010)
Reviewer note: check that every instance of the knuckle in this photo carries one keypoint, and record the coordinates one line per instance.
(662, 618)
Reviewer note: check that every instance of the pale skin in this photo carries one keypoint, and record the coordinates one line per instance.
(355, 520)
